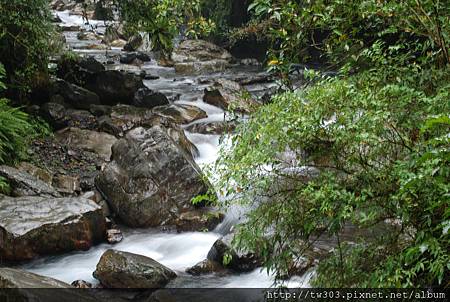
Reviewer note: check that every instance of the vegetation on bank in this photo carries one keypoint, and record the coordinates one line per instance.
(378, 133)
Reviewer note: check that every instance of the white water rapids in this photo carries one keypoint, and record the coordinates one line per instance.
(176, 251)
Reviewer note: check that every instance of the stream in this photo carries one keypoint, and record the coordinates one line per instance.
(176, 251)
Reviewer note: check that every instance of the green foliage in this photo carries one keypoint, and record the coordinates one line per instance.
(380, 143)
(227, 258)
(162, 19)
(25, 32)
(341, 30)
(16, 130)
(4, 186)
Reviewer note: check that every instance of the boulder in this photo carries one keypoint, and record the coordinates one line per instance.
(125, 117)
(87, 35)
(75, 96)
(206, 267)
(21, 285)
(66, 184)
(81, 284)
(119, 43)
(37, 172)
(240, 261)
(113, 33)
(79, 70)
(150, 180)
(212, 127)
(114, 236)
(180, 113)
(229, 95)
(198, 220)
(45, 225)
(118, 269)
(134, 43)
(54, 114)
(147, 98)
(100, 110)
(24, 184)
(192, 68)
(134, 58)
(82, 119)
(16, 278)
(92, 141)
(200, 51)
(115, 87)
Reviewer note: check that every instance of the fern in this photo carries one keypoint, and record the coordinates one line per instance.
(15, 130)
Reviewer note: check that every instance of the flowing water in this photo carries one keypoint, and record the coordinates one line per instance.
(176, 251)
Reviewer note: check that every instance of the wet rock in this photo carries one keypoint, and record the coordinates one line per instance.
(96, 46)
(105, 124)
(118, 269)
(150, 77)
(134, 43)
(250, 62)
(239, 261)
(198, 220)
(229, 95)
(100, 110)
(213, 127)
(81, 284)
(119, 43)
(150, 180)
(125, 117)
(115, 87)
(201, 67)
(45, 225)
(54, 114)
(178, 136)
(95, 196)
(206, 267)
(113, 33)
(181, 113)
(68, 27)
(24, 184)
(114, 236)
(80, 70)
(196, 56)
(134, 58)
(87, 35)
(75, 96)
(16, 278)
(129, 58)
(37, 172)
(92, 141)
(147, 98)
(82, 119)
(66, 184)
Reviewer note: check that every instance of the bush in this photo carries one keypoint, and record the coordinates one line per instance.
(382, 150)
(25, 32)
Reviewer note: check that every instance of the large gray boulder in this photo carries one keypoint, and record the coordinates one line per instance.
(75, 96)
(35, 226)
(19, 285)
(113, 86)
(231, 96)
(223, 252)
(151, 179)
(16, 278)
(92, 141)
(24, 184)
(118, 269)
(198, 56)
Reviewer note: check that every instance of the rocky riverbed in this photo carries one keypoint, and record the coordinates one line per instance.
(106, 201)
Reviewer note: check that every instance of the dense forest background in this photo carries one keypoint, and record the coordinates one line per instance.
(373, 123)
